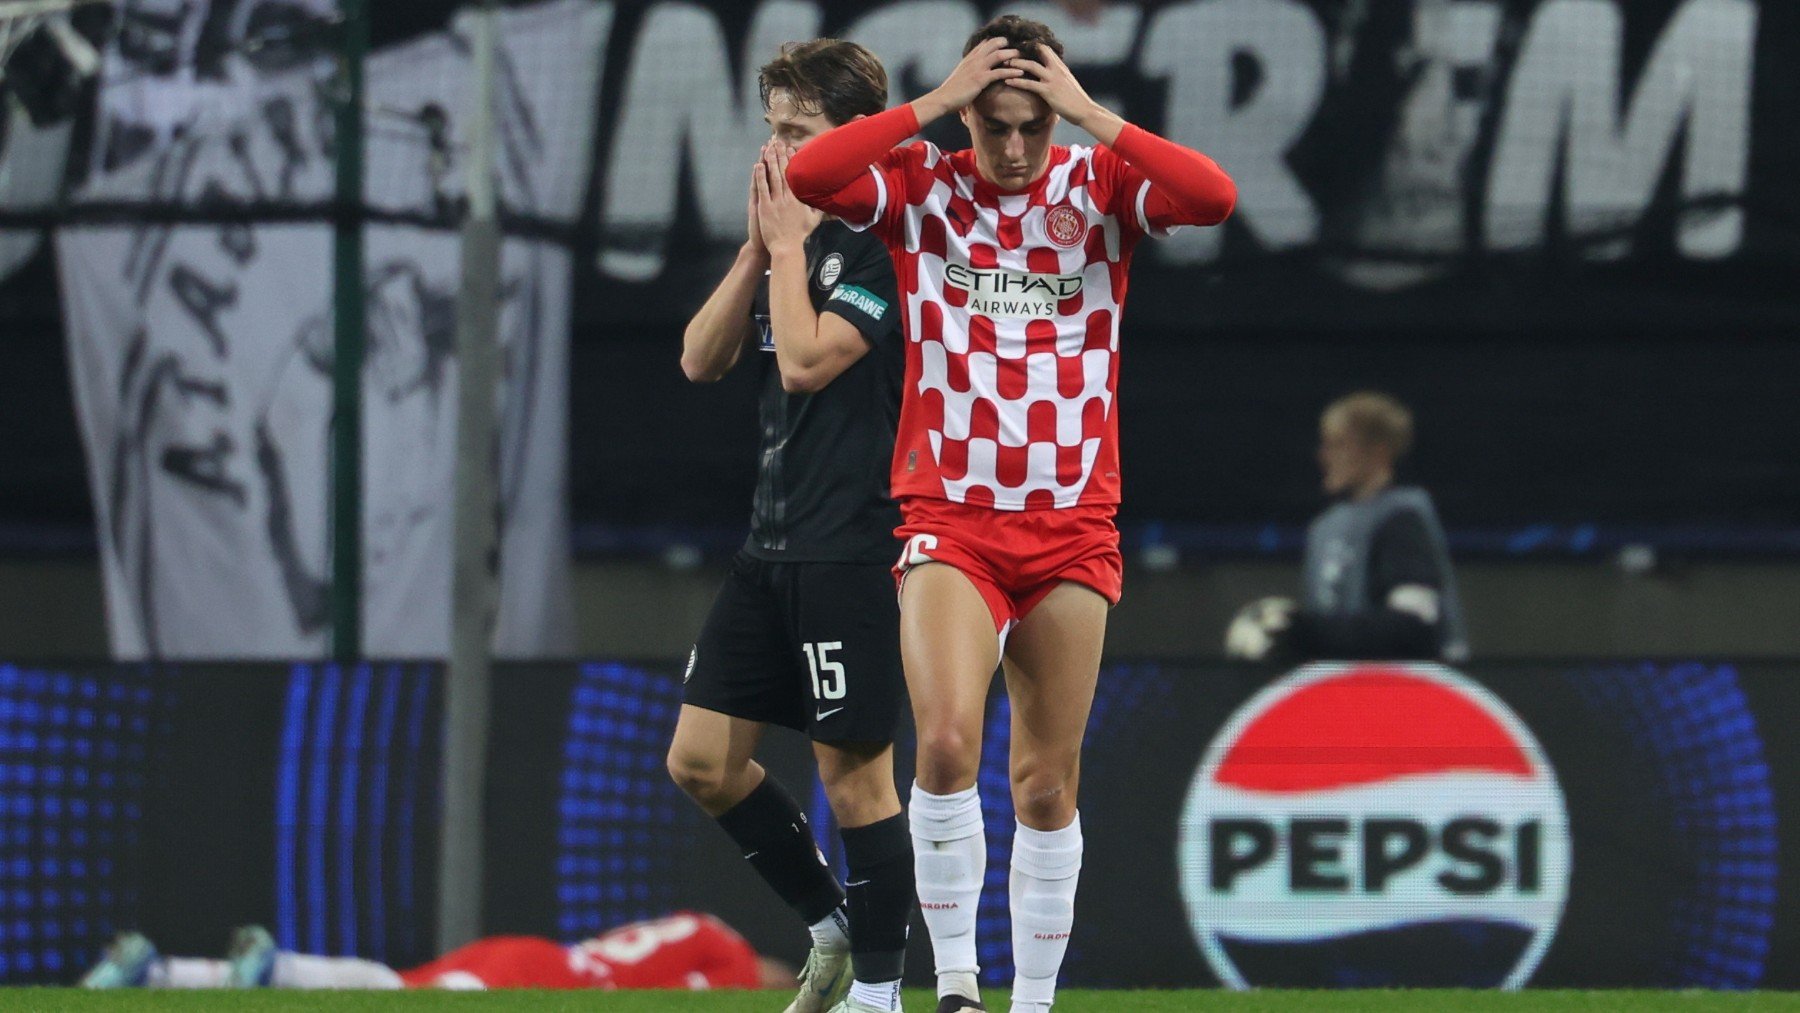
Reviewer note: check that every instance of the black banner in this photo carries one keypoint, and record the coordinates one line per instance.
(1426, 166)
(1561, 229)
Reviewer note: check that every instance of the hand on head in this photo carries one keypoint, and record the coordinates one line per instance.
(1050, 79)
(987, 63)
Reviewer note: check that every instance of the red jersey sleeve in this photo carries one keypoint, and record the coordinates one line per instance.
(901, 178)
(1157, 185)
(846, 172)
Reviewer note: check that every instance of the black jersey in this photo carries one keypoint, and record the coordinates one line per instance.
(822, 484)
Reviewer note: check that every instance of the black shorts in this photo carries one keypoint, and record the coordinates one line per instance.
(810, 646)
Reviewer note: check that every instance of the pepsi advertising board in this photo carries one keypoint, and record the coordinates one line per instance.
(1543, 824)
(1346, 811)
(1342, 825)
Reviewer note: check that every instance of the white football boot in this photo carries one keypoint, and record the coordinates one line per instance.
(823, 981)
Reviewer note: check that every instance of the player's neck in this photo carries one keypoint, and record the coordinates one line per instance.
(986, 179)
(1373, 486)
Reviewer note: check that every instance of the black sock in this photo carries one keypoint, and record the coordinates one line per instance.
(776, 839)
(881, 897)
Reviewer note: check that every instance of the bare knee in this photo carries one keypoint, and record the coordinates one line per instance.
(698, 776)
(849, 802)
(706, 779)
(859, 784)
(1044, 795)
(949, 758)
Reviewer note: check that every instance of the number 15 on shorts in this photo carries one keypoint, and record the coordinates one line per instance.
(827, 675)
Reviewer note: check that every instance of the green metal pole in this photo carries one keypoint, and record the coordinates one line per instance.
(476, 553)
(347, 362)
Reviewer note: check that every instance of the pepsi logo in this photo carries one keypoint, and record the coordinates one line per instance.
(1065, 226)
(1390, 826)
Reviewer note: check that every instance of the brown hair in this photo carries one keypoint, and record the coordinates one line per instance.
(1376, 418)
(839, 80)
(1024, 35)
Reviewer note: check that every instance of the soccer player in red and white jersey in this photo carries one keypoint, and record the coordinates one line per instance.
(682, 951)
(686, 950)
(1013, 258)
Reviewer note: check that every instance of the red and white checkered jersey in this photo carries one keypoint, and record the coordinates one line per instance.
(1011, 301)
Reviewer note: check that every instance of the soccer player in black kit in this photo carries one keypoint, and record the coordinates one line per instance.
(805, 631)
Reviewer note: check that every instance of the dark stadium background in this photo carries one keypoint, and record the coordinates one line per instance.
(1549, 389)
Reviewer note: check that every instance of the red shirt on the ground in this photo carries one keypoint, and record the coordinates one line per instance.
(688, 951)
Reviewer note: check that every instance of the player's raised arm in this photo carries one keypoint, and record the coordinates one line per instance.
(716, 336)
(1186, 187)
(812, 348)
(832, 173)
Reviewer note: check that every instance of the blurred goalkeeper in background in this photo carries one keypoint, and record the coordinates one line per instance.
(1377, 578)
(805, 632)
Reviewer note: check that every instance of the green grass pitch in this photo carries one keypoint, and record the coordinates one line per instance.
(1070, 1001)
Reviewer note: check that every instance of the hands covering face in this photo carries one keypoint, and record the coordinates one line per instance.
(781, 220)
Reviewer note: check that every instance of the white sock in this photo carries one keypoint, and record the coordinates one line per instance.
(832, 932)
(949, 860)
(298, 970)
(1046, 865)
(881, 995)
(958, 983)
(186, 972)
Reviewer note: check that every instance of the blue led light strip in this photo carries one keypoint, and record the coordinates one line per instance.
(408, 909)
(344, 815)
(377, 813)
(624, 824)
(349, 775)
(74, 749)
(318, 809)
(287, 808)
(1693, 726)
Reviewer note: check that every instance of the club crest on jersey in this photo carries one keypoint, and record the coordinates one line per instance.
(1065, 226)
(993, 292)
(830, 270)
(1349, 819)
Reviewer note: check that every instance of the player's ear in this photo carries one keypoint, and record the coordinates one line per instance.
(858, 116)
